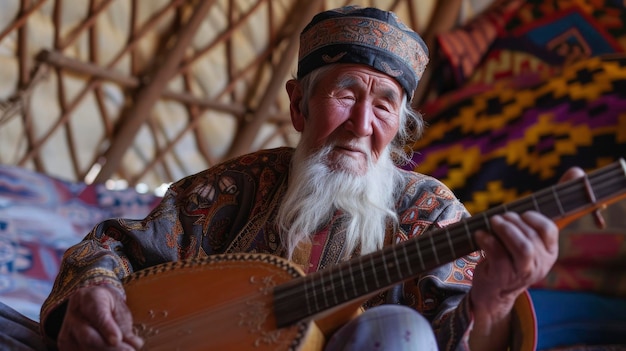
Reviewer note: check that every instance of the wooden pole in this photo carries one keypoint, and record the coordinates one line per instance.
(147, 95)
(249, 128)
(57, 59)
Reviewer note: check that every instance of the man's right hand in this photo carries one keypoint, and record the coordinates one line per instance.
(97, 318)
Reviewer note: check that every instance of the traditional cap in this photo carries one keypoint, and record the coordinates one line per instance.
(367, 36)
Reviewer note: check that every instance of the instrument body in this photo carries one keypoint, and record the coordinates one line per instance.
(223, 302)
(262, 302)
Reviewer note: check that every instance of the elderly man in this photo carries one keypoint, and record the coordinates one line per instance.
(338, 195)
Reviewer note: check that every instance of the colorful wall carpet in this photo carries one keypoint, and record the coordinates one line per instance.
(519, 136)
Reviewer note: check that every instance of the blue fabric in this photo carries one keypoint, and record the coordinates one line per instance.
(566, 318)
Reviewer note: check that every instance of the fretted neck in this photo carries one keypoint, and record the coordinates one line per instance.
(315, 293)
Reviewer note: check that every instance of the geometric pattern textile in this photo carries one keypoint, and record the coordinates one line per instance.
(548, 93)
(498, 144)
(510, 140)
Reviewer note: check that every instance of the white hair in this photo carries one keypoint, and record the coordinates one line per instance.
(315, 192)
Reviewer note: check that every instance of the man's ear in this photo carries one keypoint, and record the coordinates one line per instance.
(295, 100)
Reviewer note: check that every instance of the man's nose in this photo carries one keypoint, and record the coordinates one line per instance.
(360, 121)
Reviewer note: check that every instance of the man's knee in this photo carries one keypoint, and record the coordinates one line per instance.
(386, 327)
(18, 332)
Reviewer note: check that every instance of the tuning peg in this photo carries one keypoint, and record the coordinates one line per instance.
(597, 216)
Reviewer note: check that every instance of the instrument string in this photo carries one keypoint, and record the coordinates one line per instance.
(304, 297)
(549, 201)
(568, 193)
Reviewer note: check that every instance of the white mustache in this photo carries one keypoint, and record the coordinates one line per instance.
(353, 146)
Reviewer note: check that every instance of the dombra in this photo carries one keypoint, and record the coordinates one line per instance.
(262, 302)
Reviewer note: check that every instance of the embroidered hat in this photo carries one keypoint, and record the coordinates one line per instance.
(367, 36)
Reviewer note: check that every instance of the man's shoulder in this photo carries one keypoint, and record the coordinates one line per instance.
(278, 157)
(416, 183)
(427, 200)
(249, 166)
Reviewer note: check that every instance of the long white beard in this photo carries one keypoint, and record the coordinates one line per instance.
(316, 191)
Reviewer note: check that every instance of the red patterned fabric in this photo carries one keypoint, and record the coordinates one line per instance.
(533, 36)
(592, 259)
(465, 47)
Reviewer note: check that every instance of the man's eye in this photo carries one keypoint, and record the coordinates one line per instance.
(346, 99)
(383, 107)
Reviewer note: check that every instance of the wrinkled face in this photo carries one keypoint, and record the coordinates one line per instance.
(353, 109)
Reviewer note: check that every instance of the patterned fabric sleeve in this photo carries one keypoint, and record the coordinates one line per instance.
(114, 249)
(440, 294)
(176, 229)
